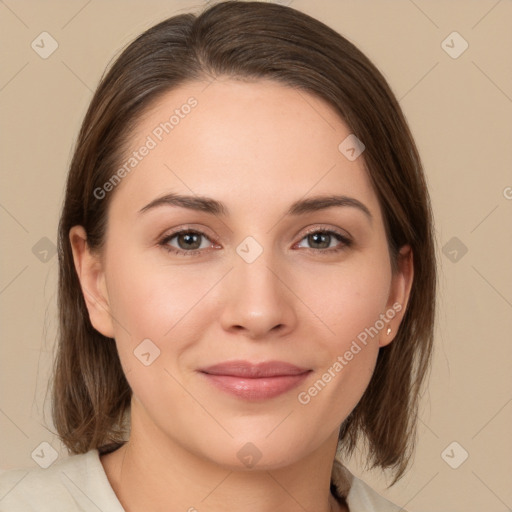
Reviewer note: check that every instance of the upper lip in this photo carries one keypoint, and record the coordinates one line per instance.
(254, 370)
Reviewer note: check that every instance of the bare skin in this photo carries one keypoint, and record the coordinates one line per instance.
(256, 147)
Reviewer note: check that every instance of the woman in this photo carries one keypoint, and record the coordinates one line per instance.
(247, 276)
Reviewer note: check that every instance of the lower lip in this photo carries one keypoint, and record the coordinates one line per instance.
(256, 389)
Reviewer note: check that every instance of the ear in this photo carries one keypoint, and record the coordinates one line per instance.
(90, 272)
(400, 289)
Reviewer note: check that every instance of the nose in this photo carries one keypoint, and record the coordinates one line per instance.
(257, 300)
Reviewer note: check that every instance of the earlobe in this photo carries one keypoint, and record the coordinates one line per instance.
(92, 281)
(400, 290)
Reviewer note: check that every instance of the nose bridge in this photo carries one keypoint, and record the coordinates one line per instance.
(256, 299)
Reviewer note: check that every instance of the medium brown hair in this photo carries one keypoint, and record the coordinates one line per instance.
(248, 41)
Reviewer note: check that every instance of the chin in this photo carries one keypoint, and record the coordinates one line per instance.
(259, 452)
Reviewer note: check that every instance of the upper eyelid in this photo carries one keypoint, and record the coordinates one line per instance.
(316, 228)
(186, 229)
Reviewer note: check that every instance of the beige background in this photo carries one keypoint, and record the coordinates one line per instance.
(460, 111)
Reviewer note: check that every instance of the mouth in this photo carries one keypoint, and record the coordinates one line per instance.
(250, 381)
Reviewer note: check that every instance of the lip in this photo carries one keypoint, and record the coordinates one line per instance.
(255, 381)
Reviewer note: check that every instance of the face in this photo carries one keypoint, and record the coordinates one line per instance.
(255, 316)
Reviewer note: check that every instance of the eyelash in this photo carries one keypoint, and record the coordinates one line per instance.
(346, 242)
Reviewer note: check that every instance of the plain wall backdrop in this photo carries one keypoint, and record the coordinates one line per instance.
(448, 63)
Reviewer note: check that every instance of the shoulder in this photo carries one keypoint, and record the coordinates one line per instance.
(359, 495)
(363, 498)
(74, 483)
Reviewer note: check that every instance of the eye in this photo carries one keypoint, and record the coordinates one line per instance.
(323, 239)
(189, 242)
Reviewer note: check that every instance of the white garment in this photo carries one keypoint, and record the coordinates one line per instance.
(78, 483)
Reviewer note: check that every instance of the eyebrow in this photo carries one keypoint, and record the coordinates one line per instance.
(214, 207)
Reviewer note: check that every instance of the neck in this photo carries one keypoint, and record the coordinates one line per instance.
(152, 473)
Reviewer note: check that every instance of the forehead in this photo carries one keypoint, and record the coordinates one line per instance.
(242, 143)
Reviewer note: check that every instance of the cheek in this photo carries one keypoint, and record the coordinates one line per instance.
(150, 300)
(348, 299)
(160, 304)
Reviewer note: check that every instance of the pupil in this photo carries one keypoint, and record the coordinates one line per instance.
(323, 236)
(190, 237)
